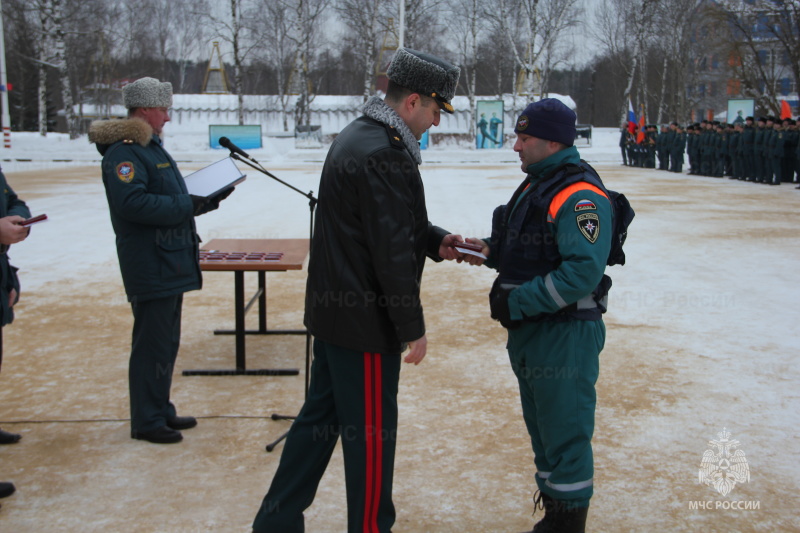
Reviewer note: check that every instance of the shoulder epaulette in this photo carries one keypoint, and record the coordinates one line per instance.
(394, 137)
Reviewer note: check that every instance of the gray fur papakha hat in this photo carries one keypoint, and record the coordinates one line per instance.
(147, 92)
(425, 74)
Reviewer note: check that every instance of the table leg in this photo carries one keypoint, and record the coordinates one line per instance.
(238, 302)
(239, 331)
(262, 302)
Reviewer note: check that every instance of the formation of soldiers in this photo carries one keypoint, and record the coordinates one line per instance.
(665, 149)
(763, 151)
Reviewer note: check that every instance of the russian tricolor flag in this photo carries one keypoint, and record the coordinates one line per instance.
(631, 117)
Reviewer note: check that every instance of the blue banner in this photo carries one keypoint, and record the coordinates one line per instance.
(245, 137)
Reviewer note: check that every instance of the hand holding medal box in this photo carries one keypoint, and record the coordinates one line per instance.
(33, 220)
(469, 248)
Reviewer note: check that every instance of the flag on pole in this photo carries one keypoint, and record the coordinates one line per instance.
(786, 110)
(631, 117)
(640, 135)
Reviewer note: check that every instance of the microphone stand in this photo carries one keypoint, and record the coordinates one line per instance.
(312, 204)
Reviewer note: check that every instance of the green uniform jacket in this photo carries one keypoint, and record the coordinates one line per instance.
(10, 205)
(151, 211)
(583, 261)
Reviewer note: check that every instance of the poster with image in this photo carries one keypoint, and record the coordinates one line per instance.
(489, 131)
(739, 110)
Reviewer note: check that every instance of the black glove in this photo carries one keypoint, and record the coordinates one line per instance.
(199, 203)
(498, 304)
(215, 200)
(203, 205)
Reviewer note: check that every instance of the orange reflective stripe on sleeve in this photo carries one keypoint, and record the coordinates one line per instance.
(562, 196)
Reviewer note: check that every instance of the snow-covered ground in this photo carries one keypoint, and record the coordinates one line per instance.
(30, 151)
(702, 336)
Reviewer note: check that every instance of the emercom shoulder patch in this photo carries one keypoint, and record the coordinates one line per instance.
(125, 172)
(589, 224)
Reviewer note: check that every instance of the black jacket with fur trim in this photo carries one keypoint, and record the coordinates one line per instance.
(371, 239)
(151, 211)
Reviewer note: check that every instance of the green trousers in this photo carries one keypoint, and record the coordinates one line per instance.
(557, 364)
(352, 395)
(154, 349)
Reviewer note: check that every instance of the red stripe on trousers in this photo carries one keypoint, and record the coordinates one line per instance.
(378, 434)
(372, 426)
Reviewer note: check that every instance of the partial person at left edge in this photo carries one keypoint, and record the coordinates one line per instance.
(13, 212)
(152, 214)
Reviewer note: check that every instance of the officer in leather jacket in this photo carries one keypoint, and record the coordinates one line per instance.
(371, 240)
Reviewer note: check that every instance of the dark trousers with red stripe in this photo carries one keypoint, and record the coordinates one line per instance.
(352, 395)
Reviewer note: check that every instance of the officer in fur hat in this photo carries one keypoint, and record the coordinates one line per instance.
(371, 240)
(153, 218)
(550, 246)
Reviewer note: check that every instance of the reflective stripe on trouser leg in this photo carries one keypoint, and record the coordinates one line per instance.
(556, 364)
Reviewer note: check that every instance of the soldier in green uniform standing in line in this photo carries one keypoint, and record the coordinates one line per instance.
(776, 148)
(789, 146)
(767, 150)
(722, 149)
(735, 149)
(706, 138)
(650, 138)
(693, 143)
(661, 152)
(797, 162)
(758, 149)
(623, 142)
(794, 140)
(748, 158)
(730, 132)
(677, 149)
(153, 218)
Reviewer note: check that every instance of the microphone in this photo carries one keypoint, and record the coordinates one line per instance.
(226, 143)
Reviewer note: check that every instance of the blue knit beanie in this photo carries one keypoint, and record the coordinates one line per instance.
(548, 119)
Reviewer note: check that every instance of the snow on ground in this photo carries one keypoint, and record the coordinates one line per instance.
(702, 320)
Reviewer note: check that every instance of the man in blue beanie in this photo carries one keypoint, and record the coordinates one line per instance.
(550, 245)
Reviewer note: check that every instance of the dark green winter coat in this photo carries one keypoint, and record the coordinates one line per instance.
(151, 211)
(10, 205)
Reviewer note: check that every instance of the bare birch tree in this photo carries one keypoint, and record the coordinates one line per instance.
(237, 28)
(679, 16)
(621, 29)
(55, 11)
(186, 36)
(468, 25)
(278, 50)
(307, 19)
(363, 19)
(532, 28)
(424, 25)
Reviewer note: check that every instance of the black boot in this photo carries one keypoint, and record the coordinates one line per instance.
(566, 518)
(542, 501)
